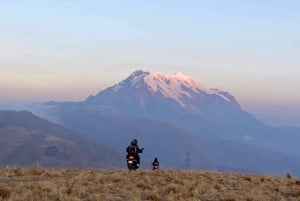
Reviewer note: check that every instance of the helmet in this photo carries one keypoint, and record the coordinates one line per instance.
(134, 142)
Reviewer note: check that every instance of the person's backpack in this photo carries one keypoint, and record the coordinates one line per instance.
(132, 150)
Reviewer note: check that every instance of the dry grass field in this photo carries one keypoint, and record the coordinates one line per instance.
(38, 184)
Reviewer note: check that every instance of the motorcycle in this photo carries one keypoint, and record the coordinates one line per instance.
(132, 163)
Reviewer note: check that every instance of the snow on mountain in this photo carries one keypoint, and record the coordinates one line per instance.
(176, 87)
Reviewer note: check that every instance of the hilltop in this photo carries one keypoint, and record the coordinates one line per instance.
(20, 184)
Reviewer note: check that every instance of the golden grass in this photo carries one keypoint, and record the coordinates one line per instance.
(37, 184)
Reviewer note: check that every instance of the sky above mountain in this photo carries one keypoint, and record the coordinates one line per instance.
(67, 50)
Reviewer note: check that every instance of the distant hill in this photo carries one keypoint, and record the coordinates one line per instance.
(27, 140)
(183, 122)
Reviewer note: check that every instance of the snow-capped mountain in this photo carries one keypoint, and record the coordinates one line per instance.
(147, 90)
(176, 99)
(175, 114)
(177, 87)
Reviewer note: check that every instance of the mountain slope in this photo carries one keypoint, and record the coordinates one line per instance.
(29, 140)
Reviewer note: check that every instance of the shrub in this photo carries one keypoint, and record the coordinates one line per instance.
(153, 196)
(173, 188)
(4, 192)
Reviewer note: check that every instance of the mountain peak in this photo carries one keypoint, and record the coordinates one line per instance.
(178, 86)
(180, 74)
(138, 72)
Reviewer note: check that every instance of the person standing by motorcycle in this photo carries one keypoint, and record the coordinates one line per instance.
(134, 149)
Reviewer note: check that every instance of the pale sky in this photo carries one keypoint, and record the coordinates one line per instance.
(70, 49)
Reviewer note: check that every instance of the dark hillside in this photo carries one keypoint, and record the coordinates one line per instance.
(26, 139)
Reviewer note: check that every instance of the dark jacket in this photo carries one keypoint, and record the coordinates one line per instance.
(135, 149)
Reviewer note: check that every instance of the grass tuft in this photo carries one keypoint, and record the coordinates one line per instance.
(4, 193)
